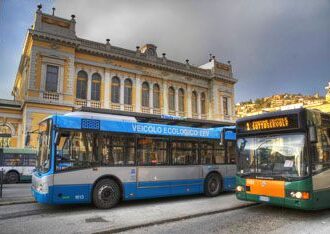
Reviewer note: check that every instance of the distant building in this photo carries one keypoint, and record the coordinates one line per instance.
(59, 71)
(285, 102)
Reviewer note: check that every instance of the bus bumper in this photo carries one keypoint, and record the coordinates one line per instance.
(277, 201)
(43, 198)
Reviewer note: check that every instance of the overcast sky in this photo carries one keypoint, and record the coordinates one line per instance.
(275, 46)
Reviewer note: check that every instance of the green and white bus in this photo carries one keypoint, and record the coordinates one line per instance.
(17, 164)
(284, 159)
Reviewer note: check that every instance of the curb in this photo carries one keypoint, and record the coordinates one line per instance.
(122, 229)
(8, 203)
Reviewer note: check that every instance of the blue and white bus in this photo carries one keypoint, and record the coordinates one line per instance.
(102, 159)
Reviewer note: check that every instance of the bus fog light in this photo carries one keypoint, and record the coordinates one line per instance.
(239, 188)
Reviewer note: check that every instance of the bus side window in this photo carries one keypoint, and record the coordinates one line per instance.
(152, 151)
(320, 151)
(231, 152)
(219, 154)
(206, 153)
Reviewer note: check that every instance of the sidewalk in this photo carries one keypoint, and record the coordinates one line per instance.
(16, 194)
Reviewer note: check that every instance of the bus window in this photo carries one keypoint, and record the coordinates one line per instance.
(184, 153)
(231, 152)
(30, 160)
(75, 150)
(219, 154)
(206, 152)
(320, 151)
(152, 151)
(13, 160)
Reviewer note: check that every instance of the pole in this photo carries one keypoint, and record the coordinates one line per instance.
(1, 182)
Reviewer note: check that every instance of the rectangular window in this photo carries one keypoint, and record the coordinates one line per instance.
(128, 95)
(96, 86)
(51, 78)
(152, 151)
(225, 105)
(29, 160)
(206, 152)
(14, 160)
(184, 153)
(321, 150)
(231, 152)
(76, 150)
(115, 93)
(219, 154)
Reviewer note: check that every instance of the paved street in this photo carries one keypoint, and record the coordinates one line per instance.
(36, 218)
(16, 193)
(191, 214)
(256, 219)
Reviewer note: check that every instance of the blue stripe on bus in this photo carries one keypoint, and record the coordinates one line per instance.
(81, 193)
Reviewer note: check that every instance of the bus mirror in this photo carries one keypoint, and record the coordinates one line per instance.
(312, 134)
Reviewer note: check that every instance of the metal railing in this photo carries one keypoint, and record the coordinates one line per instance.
(51, 96)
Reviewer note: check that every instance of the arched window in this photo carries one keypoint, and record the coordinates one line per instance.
(194, 102)
(115, 89)
(181, 100)
(128, 92)
(203, 103)
(171, 99)
(145, 94)
(81, 89)
(96, 87)
(156, 96)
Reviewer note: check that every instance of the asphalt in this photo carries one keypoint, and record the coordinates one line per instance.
(16, 194)
(37, 218)
(251, 220)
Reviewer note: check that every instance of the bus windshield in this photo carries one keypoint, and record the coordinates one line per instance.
(273, 157)
(43, 158)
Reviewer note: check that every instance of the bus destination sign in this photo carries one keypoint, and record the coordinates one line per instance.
(273, 123)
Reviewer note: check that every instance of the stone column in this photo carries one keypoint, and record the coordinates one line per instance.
(138, 95)
(89, 88)
(107, 90)
(151, 98)
(122, 89)
(188, 96)
(165, 97)
(199, 105)
(176, 101)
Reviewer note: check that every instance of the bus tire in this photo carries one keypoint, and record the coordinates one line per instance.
(106, 194)
(212, 185)
(12, 177)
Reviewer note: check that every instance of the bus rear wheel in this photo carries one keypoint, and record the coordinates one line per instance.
(106, 194)
(12, 177)
(212, 186)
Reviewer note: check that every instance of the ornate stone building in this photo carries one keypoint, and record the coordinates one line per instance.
(60, 71)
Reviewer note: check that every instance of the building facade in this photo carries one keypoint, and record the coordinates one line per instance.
(59, 71)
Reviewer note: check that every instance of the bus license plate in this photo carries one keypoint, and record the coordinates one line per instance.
(264, 199)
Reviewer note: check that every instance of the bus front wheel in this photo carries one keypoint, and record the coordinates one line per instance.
(212, 186)
(106, 194)
(12, 177)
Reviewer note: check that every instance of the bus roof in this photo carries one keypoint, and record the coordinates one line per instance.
(18, 150)
(98, 123)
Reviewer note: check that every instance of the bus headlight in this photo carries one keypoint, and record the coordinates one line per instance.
(300, 195)
(239, 188)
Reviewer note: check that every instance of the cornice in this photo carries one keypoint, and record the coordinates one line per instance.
(113, 52)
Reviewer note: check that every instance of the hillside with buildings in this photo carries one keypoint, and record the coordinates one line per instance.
(283, 101)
